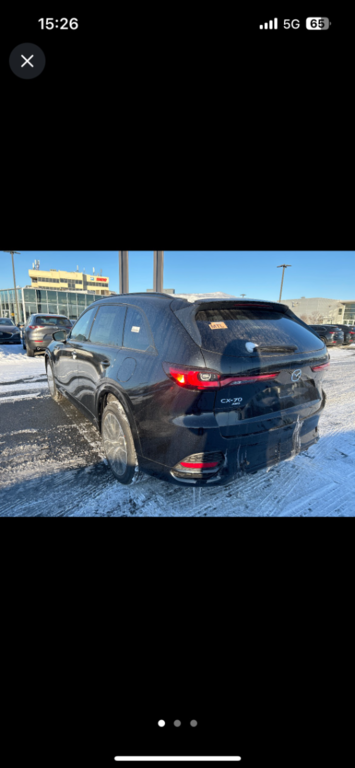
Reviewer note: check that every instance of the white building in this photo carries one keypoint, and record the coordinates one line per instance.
(318, 310)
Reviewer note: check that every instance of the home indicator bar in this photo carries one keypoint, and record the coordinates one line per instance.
(179, 759)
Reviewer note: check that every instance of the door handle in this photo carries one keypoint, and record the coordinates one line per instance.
(74, 355)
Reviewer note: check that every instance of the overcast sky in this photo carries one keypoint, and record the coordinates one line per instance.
(328, 274)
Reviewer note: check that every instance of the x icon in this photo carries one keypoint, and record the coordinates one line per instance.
(27, 61)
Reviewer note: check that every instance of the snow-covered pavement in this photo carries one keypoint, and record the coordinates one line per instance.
(52, 464)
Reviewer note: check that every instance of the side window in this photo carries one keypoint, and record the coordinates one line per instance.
(81, 329)
(136, 333)
(108, 325)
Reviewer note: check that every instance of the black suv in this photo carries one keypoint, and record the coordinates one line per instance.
(348, 330)
(192, 392)
(331, 335)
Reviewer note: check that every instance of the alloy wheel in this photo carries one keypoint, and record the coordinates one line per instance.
(115, 444)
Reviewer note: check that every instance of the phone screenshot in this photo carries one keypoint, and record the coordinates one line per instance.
(177, 426)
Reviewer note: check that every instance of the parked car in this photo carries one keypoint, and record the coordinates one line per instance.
(192, 392)
(349, 333)
(9, 332)
(331, 335)
(39, 329)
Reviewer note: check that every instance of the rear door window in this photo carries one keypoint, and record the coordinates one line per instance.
(108, 325)
(228, 330)
(136, 333)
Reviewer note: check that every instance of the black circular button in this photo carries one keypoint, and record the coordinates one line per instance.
(27, 61)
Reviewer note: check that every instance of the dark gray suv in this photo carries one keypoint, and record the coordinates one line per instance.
(192, 392)
(39, 329)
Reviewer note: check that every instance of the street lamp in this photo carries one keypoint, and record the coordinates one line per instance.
(242, 295)
(284, 266)
(13, 271)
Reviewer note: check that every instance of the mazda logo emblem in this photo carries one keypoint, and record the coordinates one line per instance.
(296, 375)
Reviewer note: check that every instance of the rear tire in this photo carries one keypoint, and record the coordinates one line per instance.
(119, 445)
(57, 397)
(29, 352)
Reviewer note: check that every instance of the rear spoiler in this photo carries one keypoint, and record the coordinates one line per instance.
(186, 311)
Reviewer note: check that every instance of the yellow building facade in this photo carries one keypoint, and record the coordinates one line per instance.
(60, 280)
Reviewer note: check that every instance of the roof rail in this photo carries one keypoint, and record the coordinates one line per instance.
(140, 293)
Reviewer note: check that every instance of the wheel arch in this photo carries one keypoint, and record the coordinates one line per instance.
(103, 397)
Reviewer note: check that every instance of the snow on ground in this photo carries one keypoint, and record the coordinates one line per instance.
(53, 464)
(14, 364)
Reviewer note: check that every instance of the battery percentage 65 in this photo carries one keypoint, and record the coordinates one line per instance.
(317, 22)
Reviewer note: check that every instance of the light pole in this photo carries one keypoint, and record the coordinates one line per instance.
(13, 271)
(242, 295)
(284, 266)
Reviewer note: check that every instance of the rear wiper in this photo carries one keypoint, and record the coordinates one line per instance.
(277, 348)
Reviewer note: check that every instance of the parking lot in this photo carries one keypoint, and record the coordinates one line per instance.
(52, 463)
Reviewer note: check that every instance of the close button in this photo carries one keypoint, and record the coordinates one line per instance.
(27, 61)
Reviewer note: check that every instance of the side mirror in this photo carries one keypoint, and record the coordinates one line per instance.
(59, 336)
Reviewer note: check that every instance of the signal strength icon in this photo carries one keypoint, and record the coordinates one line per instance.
(272, 24)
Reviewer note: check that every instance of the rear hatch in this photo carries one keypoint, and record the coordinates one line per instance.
(47, 325)
(265, 355)
(338, 335)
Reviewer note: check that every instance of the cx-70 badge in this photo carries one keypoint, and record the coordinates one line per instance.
(296, 375)
(233, 400)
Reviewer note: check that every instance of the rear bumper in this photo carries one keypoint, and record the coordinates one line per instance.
(244, 454)
(32, 344)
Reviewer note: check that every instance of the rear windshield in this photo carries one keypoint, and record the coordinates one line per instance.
(5, 321)
(60, 321)
(228, 330)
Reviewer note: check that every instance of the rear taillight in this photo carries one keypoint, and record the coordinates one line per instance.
(192, 379)
(352, 333)
(33, 327)
(320, 367)
(247, 379)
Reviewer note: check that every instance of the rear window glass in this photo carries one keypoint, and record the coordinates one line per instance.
(57, 321)
(5, 321)
(228, 330)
